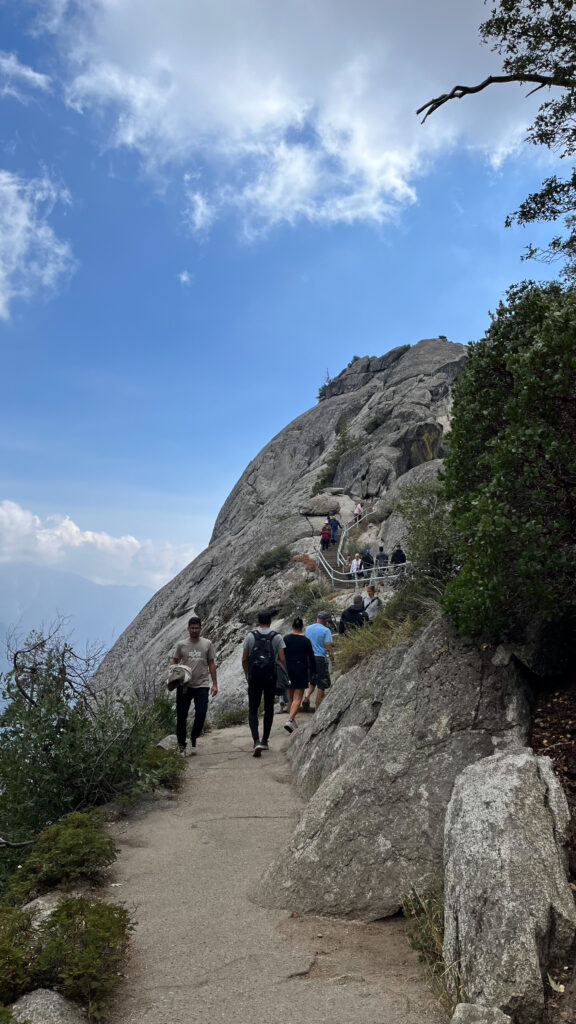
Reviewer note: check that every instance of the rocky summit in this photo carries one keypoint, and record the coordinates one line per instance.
(379, 421)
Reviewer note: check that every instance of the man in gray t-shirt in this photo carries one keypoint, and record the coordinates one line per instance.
(197, 653)
(261, 649)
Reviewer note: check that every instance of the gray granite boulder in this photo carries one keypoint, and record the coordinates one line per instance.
(375, 825)
(46, 1007)
(473, 1013)
(509, 911)
(396, 408)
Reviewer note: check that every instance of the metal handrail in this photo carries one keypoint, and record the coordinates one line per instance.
(378, 573)
(345, 531)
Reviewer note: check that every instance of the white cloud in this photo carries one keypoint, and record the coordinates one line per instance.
(185, 277)
(32, 257)
(57, 541)
(288, 112)
(14, 75)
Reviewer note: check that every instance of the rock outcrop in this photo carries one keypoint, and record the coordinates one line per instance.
(46, 1007)
(509, 911)
(396, 410)
(375, 825)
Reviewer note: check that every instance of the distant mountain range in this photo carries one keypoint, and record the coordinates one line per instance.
(33, 596)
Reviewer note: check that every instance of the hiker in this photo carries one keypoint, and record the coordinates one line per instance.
(372, 603)
(356, 567)
(381, 561)
(325, 536)
(358, 511)
(334, 527)
(197, 655)
(323, 647)
(397, 557)
(261, 648)
(367, 564)
(353, 616)
(301, 668)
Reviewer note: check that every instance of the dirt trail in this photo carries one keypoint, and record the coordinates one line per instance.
(204, 951)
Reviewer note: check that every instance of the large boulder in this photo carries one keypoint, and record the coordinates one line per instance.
(375, 825)
(46, 1007)
(396, 409)
(509, 911)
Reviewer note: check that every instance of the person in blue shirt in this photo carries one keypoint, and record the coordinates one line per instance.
(334, 527)
(323, 647)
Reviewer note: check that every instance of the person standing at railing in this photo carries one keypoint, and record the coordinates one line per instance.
(397, 557)
(356, 567)
(367, 564)
(381, 561)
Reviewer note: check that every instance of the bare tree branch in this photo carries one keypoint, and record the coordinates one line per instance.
(13, 846)
(466, 90)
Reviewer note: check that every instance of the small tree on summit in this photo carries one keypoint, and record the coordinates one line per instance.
(537, 42)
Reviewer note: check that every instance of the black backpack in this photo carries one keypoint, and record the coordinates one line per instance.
(262, 658)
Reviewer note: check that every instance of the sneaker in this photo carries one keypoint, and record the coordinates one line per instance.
(193, 750)
(264, 745)
(258, 748)
(182, 750)
(290, 726)
(282, 709)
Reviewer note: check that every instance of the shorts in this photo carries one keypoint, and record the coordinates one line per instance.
(322, 674)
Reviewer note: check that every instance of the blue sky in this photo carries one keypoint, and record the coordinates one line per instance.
(205, 207)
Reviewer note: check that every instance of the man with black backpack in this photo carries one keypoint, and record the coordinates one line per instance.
(262, 647)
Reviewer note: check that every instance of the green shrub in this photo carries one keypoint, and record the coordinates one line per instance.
(268, 563)
(510, 472)
(160, 768)
(301, 597)
(431, 539)
(74, 848)
(235, 716)
(5, 1016)
(381, 634)
(17, 945)
(83, 945)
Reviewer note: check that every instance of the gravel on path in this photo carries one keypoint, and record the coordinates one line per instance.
(204, 951)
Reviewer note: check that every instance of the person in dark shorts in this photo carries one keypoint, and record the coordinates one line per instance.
(301, 668)
(262, 647)
(323, 647)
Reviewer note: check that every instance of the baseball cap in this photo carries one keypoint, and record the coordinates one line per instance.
(323, 615)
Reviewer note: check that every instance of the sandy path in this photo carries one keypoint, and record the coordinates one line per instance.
(204, 951)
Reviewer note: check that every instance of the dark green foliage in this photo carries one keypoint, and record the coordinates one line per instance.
(63, 747)
(268, 563)
(17, 945)
(344, 443)
(431, 538)
(75, 848)
(162, 767)
(5, 1016)
(82, 949)
(511, 469)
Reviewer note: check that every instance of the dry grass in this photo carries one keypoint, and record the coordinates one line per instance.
(424, 911)
(382, 634)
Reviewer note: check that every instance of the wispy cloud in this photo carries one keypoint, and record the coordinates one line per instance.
(16, 77)
(58, 541)
(281, 113)
(32, 257)
(185, 277)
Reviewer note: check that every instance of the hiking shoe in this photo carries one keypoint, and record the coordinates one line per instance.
(264, 745)
(282, 709)
(193, 751)
(182, 750)
(290, 726)
(258, 748)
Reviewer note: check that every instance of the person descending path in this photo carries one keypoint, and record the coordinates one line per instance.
(196, 655)
(261, 648)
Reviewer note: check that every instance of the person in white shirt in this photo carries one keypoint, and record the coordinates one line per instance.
(356, 567)
(372, 603)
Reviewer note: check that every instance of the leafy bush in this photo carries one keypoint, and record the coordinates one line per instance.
(17, 945)
(64, 747)
(511, 471)
(74, 848)
(301, 597)
(431, 538)
(268, 563)
(5, 1016)
(161, 767)
(235, 716)
(381, 634)
(83, 945)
